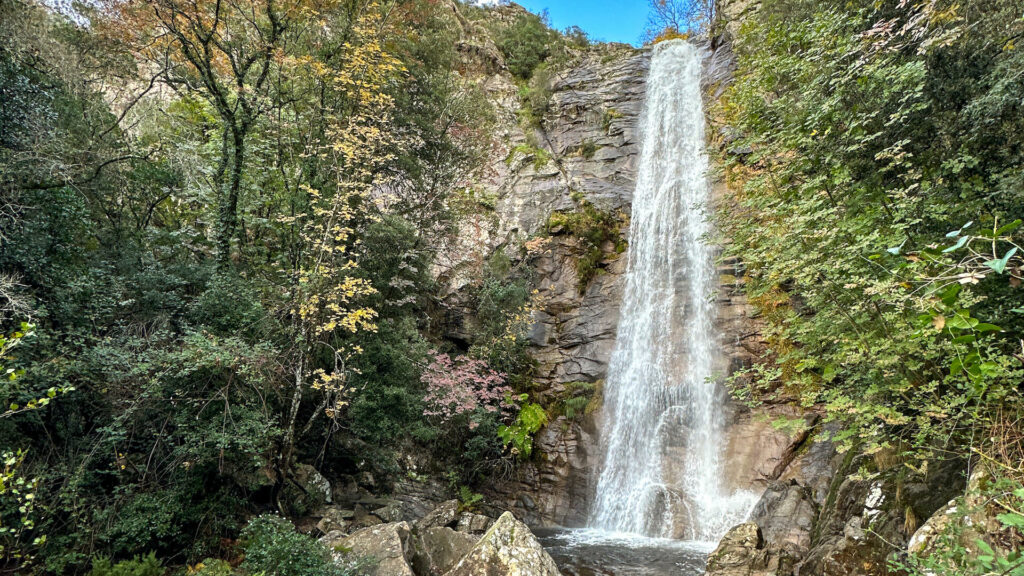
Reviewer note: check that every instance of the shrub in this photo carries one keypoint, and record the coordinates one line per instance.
(576, 37)
(273, 547)
(468, 500)
(588, 148)
(525, 44)
(529, 421)
(146, 565)
(540, 156)
(461, 386)
(228, 307)
(593, 228)
(211, 567)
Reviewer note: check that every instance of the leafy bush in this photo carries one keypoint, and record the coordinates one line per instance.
(530, 419)
(273, 548)
(462, 386)
(594, 228)
(607, 117)
(146, 565)
(212, 567)
(535, 96)
(871, 210)
(576, 37)
(525, 43)
(504, 306)
(579, 399)
(228, 307)
(540, 156)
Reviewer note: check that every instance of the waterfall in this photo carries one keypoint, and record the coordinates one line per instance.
(663, 434)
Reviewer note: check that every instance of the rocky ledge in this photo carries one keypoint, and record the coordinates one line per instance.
(442, 544)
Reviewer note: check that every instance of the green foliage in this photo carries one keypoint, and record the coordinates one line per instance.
(503, 305)
(212, 567)
(588, 149)
(535, 97)
(960, 548)
(530, 419)
(599, 236)
(17, 511)
(577, 37)
(147, 565)
(540, 156)
(607, 117)
(877, 213)
(228, 307)
(578, 400)
(469, 500)
(525, 43)
(179, 356)
(273, 547)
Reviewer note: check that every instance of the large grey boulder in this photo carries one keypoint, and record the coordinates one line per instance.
(786, 513)
(445, 514)
(305, 491)
(438, 549)
(507, 549)
(390, 547)
(471, 523)
(744, 552)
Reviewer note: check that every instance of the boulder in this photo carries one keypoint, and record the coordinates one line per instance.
(743, 552)
(507, 549)
(471, 523)
(445, 514)
(438, 549)
(786, 513)
(306, 490)
(971, 519)
(390, 547)
(389, 513)
(859, 529)
(335, 518)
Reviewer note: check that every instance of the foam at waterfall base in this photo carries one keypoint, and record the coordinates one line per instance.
(592, 552)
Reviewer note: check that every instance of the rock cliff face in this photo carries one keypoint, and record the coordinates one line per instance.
(590, 132)
(583, 152)
(817, 514)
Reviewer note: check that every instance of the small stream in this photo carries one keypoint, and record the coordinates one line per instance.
(588, 552)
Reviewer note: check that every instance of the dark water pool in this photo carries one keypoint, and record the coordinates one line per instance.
(595, 553)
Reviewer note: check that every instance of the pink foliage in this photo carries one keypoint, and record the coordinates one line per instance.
(462, 385)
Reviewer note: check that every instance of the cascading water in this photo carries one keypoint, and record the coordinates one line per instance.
(660, 392)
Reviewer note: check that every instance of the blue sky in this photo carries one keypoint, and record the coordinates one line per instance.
(608, 20)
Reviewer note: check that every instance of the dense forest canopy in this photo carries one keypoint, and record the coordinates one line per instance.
(879, 152)
(220, 220)
(218, 225)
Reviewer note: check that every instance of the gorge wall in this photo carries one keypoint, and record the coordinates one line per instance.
(817, 515)
(588, 140)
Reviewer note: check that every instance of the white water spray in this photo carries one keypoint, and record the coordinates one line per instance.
(660, 394)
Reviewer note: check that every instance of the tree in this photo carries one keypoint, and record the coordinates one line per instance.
(677, 17)
(223, 52)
